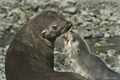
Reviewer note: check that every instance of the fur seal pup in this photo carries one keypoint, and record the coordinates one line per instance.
(30, 55)
(84, 62)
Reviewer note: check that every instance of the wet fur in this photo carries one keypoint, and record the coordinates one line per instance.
(87, 64)
(30, 55)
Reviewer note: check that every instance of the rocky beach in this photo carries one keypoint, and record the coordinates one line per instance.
(97, 21)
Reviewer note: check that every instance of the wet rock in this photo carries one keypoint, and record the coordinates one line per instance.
(118, 22)
(106, 12)
(106, 35)
(67, 62)
(84, 13)
(114, 18)
(101, 44)
(77, 20)
(1, 66)
(119, 57)
(96, 21)
(71, 10)
(60, 57)
(88, 19)
(63, 5)
(2, 16)
(111, 52)
(103, 55)
(16, 10)
(104, 18)
(91, 14)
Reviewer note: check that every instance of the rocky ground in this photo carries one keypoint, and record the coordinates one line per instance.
(97, 21)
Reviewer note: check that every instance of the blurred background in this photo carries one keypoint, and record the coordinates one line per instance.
(97, 21)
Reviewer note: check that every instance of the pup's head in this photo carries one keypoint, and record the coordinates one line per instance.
(71, 37)
(49, 25)
(75, 43)
(72, 43)
(57, 25)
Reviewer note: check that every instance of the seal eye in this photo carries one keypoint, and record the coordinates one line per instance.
(55, 27)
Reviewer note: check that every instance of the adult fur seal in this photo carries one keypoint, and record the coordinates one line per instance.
(84, 62)
(30, 55)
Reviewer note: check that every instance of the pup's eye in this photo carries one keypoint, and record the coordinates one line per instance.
(55, 27)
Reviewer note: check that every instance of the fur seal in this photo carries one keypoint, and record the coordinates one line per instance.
(86, 63)
(30, 55)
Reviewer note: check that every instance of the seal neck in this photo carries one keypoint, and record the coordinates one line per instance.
(84, 48)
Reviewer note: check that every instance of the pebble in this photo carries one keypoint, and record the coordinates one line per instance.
(96, 21)
(102, 55)
(84, 12)
(119, 57)
(118, 21)
(106, 12)
(104, 18)
(101, 44)
(71, 10)
(106, 35)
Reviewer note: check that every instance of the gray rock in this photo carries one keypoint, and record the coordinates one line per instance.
(96, 21)
(101, 44)
(103, 55)
(60, 57)
(16, 10)
(106, 35)
(84, 12)
(111, 52)
(70, 10)
(104, 18)
(106, 12)
(2, 65)
(118, 22)
(114, 18)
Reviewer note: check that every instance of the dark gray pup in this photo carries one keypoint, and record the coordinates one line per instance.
(84, 62)
(30, 55)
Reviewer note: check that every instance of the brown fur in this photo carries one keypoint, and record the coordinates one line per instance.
(30, 55)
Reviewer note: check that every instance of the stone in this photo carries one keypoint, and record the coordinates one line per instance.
(106, 12)
(96, 21)
(114, 18)
(118, 22)
(119, 57)
(101, 44)
(70, 10)
(111, 52)
(67, 62)
(102, 55)
(16, 10)
(84, 12)
(104, 18)
(106, 35)
(91, 14)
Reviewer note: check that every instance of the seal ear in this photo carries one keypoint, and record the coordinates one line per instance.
(43, 33)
